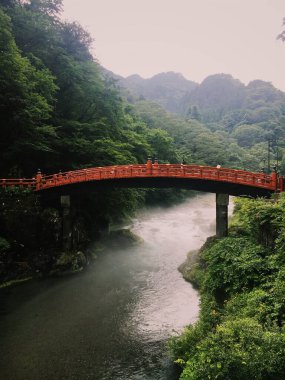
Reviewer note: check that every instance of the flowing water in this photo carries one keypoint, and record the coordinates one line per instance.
(111, 322)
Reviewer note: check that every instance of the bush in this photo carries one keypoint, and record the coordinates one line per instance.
(237, 350)
(256, 304)
(233, 265)
(262, 220)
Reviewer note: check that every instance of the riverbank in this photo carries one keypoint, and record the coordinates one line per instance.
(240, 332)
(61, 263)
(188, 267)
(191, 267)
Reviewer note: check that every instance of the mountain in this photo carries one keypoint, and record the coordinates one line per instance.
(219, 97)
(167, 89)
(220, 115)
(215, 95)
(221, 94)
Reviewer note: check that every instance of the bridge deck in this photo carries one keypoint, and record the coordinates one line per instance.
(114, 173)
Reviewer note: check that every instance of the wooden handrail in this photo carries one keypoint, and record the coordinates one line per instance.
(18, 182)
(40, 182)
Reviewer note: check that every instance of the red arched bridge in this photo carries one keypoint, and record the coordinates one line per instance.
(222, 181)
(195, 177)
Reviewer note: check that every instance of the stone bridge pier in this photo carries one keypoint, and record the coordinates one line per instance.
(66, 222)
(73, 229)
(222, 203)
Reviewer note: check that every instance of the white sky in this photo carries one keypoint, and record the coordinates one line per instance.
(194, 37)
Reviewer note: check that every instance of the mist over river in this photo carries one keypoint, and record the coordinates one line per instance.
(112, 321)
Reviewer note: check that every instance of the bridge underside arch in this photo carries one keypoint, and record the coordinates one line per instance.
(161, 182)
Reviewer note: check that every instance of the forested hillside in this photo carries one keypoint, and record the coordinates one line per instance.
(57, 110)
(221, 112)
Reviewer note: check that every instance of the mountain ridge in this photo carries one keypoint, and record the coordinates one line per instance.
(217, 92)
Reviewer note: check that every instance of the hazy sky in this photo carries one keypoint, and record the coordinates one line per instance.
(194, 37)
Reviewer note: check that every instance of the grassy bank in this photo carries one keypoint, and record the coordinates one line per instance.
(240, 333)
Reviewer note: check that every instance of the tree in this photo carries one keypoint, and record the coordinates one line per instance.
(194, 113)
(26, 101)
(49, 7)
(248, 135)
(76, 40)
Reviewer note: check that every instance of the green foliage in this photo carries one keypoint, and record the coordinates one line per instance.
(233, 265)
(263, 220)
(49, 7)
(237, 350)
(186, 345)
(256, 304)
(248, 135)
(76, 40)
(26, 97)
(4, 245)
(240, 333)
(163, 145)
(194, 142)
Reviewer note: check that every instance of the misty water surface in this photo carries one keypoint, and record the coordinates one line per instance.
(111, 322)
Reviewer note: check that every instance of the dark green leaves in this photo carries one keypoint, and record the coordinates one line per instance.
(240, 334)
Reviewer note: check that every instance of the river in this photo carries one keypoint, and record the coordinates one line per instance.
(112, 321)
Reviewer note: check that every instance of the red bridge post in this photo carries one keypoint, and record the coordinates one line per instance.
(155, 167)
(38, 179)
(149, 166)
(274, 178)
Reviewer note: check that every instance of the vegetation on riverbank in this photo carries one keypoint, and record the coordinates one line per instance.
(240, 333)
(32, 246)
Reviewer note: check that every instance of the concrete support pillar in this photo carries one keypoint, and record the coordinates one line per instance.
(222, 202)
(66, 222)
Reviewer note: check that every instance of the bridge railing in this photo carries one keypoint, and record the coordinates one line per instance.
(18, 182)
(228, 175)
(159, 170)
(41, 182)
(91, 174)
